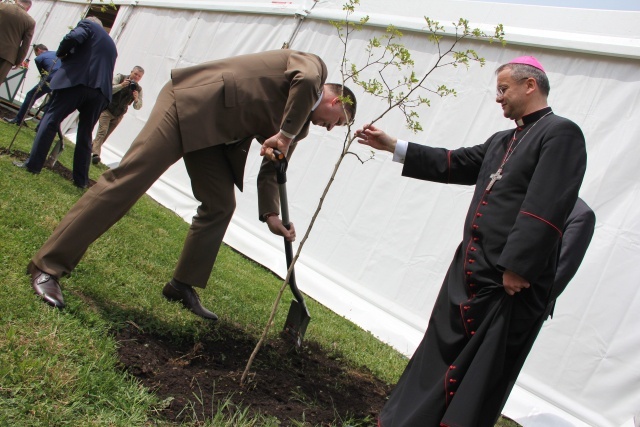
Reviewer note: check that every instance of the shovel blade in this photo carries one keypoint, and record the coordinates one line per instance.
(296, 324)
(55, 153)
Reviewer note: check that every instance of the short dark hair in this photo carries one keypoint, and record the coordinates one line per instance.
(522, 71)
(40, 47)
(139, 68)
(345, 92)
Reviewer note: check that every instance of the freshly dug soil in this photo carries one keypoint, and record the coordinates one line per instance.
(286, 383)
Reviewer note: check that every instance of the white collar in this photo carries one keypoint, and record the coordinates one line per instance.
(317, 102)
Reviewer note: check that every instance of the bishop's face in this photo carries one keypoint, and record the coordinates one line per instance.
(512, 94)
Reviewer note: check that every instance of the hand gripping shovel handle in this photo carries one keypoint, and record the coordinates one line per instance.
(298, 317)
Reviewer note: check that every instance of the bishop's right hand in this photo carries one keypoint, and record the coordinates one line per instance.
(376, 138)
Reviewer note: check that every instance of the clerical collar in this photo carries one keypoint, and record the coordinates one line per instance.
(317, 102)
(533, 117)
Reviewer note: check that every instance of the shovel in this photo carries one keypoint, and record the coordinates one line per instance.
(298, 318)
(55, 152)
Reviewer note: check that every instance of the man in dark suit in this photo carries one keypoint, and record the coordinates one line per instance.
(82, 83)
(576, 236)
(16, 32)
(208, 115)
(47, 63)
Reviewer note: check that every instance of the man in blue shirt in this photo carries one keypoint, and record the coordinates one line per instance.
(47, 64)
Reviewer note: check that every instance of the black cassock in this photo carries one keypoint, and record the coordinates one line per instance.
(478, 337)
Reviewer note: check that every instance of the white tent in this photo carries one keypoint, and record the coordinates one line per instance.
(381, 245)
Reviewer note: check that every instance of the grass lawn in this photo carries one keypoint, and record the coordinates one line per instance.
(61, 367)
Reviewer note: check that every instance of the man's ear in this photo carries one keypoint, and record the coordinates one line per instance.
(335, 101)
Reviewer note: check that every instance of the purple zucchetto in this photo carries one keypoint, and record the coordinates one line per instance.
(527, 60)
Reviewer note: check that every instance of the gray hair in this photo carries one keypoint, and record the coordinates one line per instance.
(94, 19)
(139, 68)
(523, 71)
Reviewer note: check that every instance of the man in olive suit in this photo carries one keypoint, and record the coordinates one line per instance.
(16, 32)
(208, 115)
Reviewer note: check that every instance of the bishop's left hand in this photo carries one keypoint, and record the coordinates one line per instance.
(513, 283)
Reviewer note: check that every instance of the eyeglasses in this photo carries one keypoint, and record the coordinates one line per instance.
(500, 90)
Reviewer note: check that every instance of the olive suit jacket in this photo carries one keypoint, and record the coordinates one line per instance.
(244, 98)
(207, 114)
(16, 32)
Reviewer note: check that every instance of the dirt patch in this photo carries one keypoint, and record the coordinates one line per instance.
(61, 170)
(310, 384)
(307, 384)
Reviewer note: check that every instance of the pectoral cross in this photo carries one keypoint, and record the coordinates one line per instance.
(494, 177)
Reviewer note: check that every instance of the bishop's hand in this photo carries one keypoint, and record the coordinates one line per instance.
(513, 283)
(376, 138)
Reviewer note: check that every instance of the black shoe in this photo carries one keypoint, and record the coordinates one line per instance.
(10, 121)
(81, 186)
(185, 294)
(47, 287)
(95, 159)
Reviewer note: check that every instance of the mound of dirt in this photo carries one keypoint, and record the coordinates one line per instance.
(306, 384)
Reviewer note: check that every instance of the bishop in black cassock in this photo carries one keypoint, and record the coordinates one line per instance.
(499, 285)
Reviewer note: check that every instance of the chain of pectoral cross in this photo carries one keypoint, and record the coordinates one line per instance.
(497, 176)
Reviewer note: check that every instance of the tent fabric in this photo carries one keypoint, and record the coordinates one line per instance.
(382, 243)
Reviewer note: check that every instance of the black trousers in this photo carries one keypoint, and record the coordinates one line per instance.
(89, 102)
(32, 96)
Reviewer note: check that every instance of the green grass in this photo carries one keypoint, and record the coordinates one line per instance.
(60, 367)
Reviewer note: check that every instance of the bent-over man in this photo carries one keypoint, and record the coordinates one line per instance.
(47, 63)
(207, 115)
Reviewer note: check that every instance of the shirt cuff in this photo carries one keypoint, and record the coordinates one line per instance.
(287, 134)
(401, 151)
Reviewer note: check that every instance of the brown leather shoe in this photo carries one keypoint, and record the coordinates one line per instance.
(47, 287)
(185, 294)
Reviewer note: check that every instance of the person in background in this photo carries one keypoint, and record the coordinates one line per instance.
(83, 82)
(47, 63)
(576, 237)
(126, 91)
(496, 293)
(16, 32)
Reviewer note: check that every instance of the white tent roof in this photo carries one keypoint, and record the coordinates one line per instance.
(382, 243)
